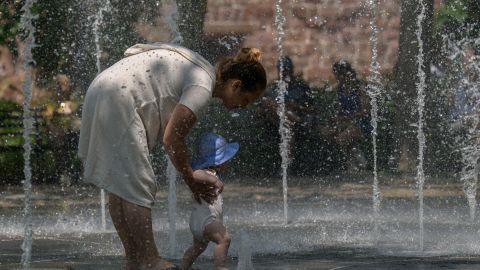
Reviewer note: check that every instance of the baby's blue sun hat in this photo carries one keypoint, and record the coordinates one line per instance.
(213, 150)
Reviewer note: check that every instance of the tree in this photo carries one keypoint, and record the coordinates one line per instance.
(406, 76)
(460, 19)
(54, 34)
(10, 23)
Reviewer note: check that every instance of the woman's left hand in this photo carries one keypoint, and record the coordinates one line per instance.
(202, 190)
(205, 186)
(219, 186)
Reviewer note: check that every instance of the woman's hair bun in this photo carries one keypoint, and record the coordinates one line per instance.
(247, 55)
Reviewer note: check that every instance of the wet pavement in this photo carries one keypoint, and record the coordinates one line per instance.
(329, 227)
(59, 255)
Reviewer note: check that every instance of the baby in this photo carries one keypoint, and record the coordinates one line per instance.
(206, 219)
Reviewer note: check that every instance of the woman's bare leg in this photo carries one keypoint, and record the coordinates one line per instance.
(136, 232)
(192, 253)
(218, 234)
(118, 218)
(139, 223)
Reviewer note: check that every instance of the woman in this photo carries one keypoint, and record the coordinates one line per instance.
(154, 95)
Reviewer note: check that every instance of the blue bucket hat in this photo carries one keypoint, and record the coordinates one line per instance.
(213, 150)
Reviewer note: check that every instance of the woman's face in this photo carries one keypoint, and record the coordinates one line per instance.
(234, 97)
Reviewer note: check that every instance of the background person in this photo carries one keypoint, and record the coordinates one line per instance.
(351, 124)
(299, 110)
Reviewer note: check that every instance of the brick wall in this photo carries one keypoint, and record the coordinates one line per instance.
(317, 32)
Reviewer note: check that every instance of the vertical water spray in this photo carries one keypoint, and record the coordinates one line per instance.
(421, 85)
(374, 90)
(98, 20)
(27, 25)
(245, 253)
(172, 19)
(172, 206)
(284, 125)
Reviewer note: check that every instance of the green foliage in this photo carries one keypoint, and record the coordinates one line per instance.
(10, 22)
(454, 13)
(10, 124)
(11, 167)
(54, 147)
(65, 37)
(454, 16)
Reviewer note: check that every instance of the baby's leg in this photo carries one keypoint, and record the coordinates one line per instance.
(193, 252)
(218, 234)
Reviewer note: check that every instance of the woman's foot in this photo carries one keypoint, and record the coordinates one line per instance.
(131, 265)
(159, 264)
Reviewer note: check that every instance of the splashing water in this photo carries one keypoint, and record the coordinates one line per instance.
(27, 24)
(172, 206)
(284, 126)
(471, 169)
(102, 209)
(467, 72)
(420, 177)
(471, 149)
(374, 90)
(245, 253)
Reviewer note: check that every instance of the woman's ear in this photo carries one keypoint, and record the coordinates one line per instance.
(237, 85)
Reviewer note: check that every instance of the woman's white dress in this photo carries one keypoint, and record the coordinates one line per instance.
(126, 110)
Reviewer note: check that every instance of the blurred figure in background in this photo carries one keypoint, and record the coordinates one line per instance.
(299, 110)
(350, 127)
(63, 129)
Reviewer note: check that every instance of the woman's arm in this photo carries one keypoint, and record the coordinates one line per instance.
(179, 125)
(201, 176)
